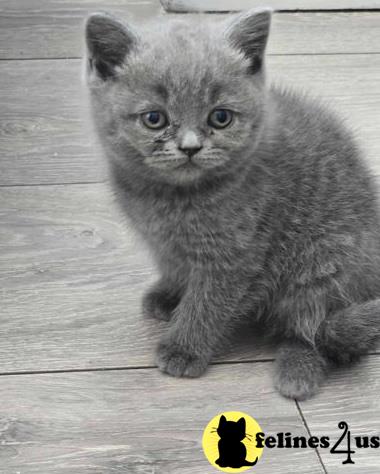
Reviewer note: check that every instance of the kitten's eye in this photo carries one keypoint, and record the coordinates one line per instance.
(154, 120)
(220, 118)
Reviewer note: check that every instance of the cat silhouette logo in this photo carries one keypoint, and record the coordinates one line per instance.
(228, 442)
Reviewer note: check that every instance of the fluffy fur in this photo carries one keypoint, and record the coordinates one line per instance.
(273, 218)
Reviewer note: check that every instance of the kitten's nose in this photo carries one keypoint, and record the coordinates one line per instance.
(190, 143)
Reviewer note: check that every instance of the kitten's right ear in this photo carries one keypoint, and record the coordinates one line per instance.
(108, 43)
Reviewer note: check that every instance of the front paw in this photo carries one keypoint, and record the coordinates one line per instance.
(300, 371)
(179, 362)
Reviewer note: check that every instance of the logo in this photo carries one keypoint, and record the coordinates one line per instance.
(234, 442)
(228, 442)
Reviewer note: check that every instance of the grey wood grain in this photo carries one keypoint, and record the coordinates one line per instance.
(235, 5)
(71, 276)
(54, 28)
(25, 32)
(45, 136)
(301, 33)
(350, 395)
(137, 421)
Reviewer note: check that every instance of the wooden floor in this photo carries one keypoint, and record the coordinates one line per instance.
(79, 392)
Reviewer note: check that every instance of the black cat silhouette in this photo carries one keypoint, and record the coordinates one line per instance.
(232, 451)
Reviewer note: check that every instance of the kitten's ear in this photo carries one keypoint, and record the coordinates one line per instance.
(241, 423)
(248, 32)
(108, 43)
(222, 420)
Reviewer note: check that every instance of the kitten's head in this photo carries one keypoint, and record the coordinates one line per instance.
(178, 100)
(231, 430)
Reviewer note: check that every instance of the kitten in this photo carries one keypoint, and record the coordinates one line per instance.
(232, 452)
(255, 201)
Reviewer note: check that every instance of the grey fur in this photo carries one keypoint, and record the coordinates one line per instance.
(274, 219)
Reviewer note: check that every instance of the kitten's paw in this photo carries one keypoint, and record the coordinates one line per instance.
(158, 304)
(299, 371)
(176, 361)
(342, 356)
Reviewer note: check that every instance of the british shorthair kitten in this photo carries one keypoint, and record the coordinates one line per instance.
(255, 200)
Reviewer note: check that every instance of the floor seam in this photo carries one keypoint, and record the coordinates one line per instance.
(310, 435)
(110, 369)
(281, 11)
(2, 186)
(136, 367)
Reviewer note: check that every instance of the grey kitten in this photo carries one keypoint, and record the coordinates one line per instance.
(255, 201)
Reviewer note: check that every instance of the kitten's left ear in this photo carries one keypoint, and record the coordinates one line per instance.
(248, 32)
(108, 43)
(241, 423)
(222, 421)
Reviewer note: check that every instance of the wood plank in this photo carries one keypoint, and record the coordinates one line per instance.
(72, 277)
(44, 132)
(54, 28)
(45, 137)
(351, 396)
(301, 33)
(137, 421)
(184, 6)
(58, 33)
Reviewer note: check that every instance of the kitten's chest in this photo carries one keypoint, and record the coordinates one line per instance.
(183, 227)
(199, 231)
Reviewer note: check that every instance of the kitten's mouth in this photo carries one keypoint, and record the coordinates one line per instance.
(188, 164)
(183, 168)
(188, 170)
(171, 164)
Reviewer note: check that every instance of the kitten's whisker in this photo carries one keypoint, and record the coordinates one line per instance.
(165, 161)
(158, 158)
(209, 159)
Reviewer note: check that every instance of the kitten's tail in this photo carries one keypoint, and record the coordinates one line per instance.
(351, 332)
(247, 463)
